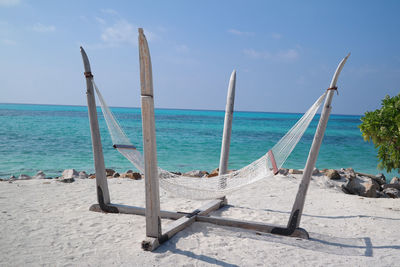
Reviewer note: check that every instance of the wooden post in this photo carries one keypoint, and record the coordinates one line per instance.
(297, 210)
(103, 195)
(153, 223)
(226, 137)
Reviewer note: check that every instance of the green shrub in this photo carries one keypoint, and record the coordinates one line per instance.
(382, 127)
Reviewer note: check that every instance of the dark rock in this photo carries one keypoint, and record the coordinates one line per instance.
(67, 180)
(39, 175)
(370, 189)
(177, 173)
(131, 175)
(381, 194)
(392, 192)
(136, 175)
(380, 179)
(395, 186)
(333, 174)
(195, 173)
(316, 172)
(116, 175)
(24, 177)
(294, 171)
(213, 173)
(349, 173)
(345, 189)
(92, 176)
(109, 172)
(362, 186)
(395, 180)
(83, 175)
(284, 171)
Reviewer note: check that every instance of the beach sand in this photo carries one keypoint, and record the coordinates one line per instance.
(45, 222)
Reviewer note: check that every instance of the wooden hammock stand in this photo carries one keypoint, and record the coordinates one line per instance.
(155, 236)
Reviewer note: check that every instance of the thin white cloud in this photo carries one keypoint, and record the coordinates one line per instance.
(290, 54)
(39, 27)
(117, 31)
(257, 54)
(182, 48)
(285, 55)
(122, 32)
(100, 21)
(83, 18)
(8, 42)
(276, 36)
(8, 3)
(109, 11)
(240, 33)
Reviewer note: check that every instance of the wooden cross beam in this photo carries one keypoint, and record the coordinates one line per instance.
(184, 219)
(151, 243)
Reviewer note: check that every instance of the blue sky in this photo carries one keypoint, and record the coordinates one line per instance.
(285, 52)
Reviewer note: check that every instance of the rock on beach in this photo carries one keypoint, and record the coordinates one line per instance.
(333, 174)
(395, 180)
(83, 175)
(348, 180)
(196, 173)
(392, 192)
(131, 175)
(24, 177)
(39, 175)
(70, 173)
(294, 171)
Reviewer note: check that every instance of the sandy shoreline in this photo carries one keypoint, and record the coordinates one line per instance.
(45, 222)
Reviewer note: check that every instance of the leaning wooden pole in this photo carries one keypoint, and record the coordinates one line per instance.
(103, 195)
(226, 137)
(297, 210)
(153, 223)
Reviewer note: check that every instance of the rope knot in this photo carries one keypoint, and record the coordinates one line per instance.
(333, 88)
(88, 74)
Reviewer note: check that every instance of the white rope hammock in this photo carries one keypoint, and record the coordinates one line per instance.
(217, 186)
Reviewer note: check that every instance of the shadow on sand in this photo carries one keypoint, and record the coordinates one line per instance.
(170, 246)
(361, 246)
(314, 216)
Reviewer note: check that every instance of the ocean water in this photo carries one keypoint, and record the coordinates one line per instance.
(53, 138)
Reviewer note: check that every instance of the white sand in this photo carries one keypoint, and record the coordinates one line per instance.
(49, 223)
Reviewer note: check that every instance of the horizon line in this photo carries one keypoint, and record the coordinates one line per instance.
(71, 105)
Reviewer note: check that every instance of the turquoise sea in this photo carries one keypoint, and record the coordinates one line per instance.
(53, 138)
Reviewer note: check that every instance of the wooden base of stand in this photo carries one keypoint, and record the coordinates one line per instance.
(183, 220)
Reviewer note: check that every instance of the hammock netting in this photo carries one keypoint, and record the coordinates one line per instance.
(217, 186)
